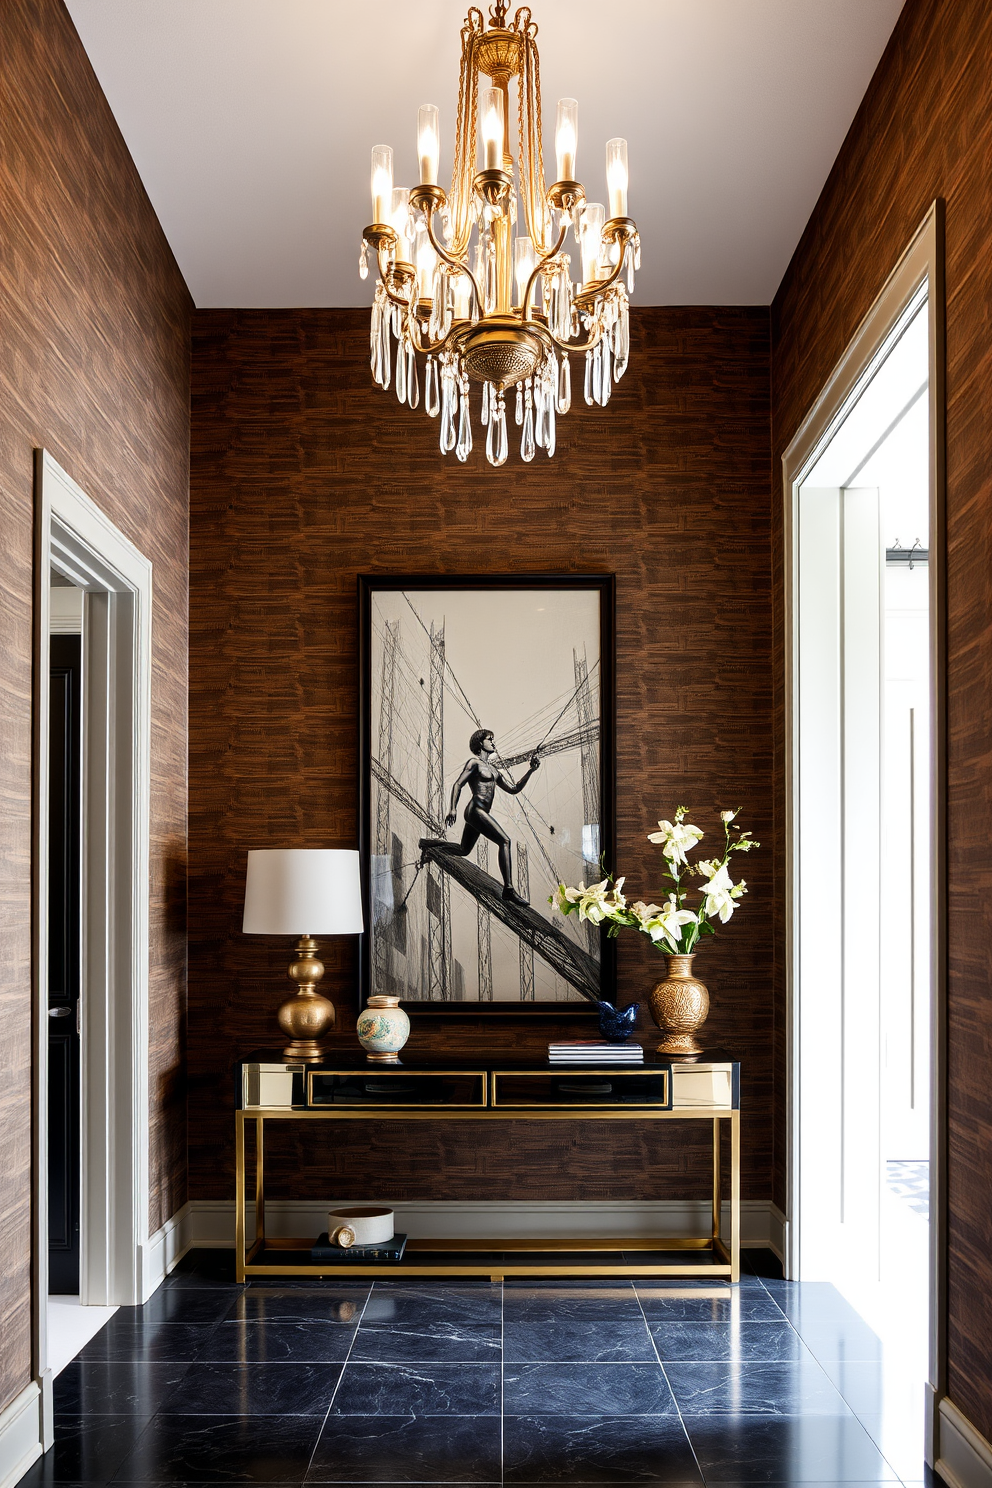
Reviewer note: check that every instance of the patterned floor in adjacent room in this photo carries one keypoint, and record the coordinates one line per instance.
(671, 1383)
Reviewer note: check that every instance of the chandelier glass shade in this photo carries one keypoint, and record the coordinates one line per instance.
(479, 281)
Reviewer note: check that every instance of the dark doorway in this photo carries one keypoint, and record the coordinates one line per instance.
(64, 965)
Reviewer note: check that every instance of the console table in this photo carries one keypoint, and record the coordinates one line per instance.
(349, 1088)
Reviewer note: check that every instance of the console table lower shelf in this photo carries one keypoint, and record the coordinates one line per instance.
(703, 1256)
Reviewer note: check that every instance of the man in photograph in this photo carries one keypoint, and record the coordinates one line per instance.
(482, 777)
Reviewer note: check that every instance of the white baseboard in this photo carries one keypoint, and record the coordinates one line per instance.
(161, 1251)
(21, 1435)
(210, 1222)
(964, 1456)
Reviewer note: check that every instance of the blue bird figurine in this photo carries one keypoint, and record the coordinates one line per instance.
(616, 1024)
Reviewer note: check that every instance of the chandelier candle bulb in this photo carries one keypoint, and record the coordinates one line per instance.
(591, 240)
(616, 176)
(399, 219)
(566, 138)
(382, 182)
(524, 261)
(428, 143)
(492, 128)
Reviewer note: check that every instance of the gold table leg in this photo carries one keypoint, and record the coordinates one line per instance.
(735, 1196)
(716, 1178)
(259, 1184)
(239, 1195)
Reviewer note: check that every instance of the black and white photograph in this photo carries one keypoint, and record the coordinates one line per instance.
(488, 780)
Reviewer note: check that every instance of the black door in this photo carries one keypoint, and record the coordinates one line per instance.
(63, 966)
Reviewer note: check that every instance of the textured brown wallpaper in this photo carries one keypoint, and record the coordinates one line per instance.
(925, 131)
(94, 365)
(304, 476)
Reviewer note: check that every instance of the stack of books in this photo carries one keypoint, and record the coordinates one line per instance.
(590, 1051)
(386, 1250)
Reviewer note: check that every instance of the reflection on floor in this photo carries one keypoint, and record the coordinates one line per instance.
(457, 1382)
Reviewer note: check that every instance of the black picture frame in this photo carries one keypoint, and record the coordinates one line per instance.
(387, 874)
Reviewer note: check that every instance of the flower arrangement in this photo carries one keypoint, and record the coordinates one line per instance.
(673, 927)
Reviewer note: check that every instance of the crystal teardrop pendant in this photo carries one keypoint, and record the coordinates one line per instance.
(606, 383)
(587, 387)
(518, 415)
(363, 261)
(552, 436)
(502, 443)
(385, 352)
(447, 434)
(432, 401)
(484, 415)
(540, 404)
(412, 378)
(464, 446)
(564, 384)
(401, 372)
(527, 436)
(597, 373)
(491, 438)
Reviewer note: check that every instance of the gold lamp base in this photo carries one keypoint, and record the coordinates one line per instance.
(307, 1015)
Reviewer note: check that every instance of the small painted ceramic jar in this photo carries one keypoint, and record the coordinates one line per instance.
(383, 1028)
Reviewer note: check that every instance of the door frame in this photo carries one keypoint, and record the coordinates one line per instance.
(74, 537)
(922, 261)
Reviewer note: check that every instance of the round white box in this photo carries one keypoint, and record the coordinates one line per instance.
(371, 1226)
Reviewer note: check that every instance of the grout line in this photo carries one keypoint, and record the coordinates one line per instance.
(502, 1386)
(668, 1382)
(330, 1403)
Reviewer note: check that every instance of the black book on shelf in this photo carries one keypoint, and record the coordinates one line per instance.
(387, 1250)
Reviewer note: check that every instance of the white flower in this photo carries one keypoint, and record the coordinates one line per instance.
(676, 838)
(667, 923)
(720, 894)
(727, 816)
(644, 912)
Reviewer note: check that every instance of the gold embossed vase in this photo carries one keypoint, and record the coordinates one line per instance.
(383, 1028)
(679, 1005)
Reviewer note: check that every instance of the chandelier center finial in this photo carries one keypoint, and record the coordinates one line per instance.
(479, 281)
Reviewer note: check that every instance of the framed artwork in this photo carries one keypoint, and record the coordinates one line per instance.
(487, 759)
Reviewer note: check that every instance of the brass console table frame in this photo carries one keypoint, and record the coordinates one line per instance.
(726, 1264)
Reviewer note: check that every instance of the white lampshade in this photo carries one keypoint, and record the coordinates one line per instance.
(303, 891)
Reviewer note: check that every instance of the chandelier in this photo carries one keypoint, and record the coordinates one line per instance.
(481, 301)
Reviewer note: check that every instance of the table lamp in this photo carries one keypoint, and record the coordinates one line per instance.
(304, 891)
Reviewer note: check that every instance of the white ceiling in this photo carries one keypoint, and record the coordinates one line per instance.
(251, 123)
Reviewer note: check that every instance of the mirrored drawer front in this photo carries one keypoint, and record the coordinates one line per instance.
(397, 1088)
(271, 1086)
(586, 1088)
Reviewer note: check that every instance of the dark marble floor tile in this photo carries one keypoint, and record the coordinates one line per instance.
(156, 1342)
(408, 1306)
(204, 1304)
(597, 1449)
(203, 1268)
(98, 1387)
(707, 1303)
(755, 1389)
(87, 1449)
(579, 1342)
(599, 1389)
(338, 1304)
(762, 1262)
(744, 1342)
(607, 1302)
(419, 1390)
(254, 1343)
(442, 1342)
(407, 1449)
(219, 1450)
(833, 1450)
(840, 1339)
(254, 1390)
